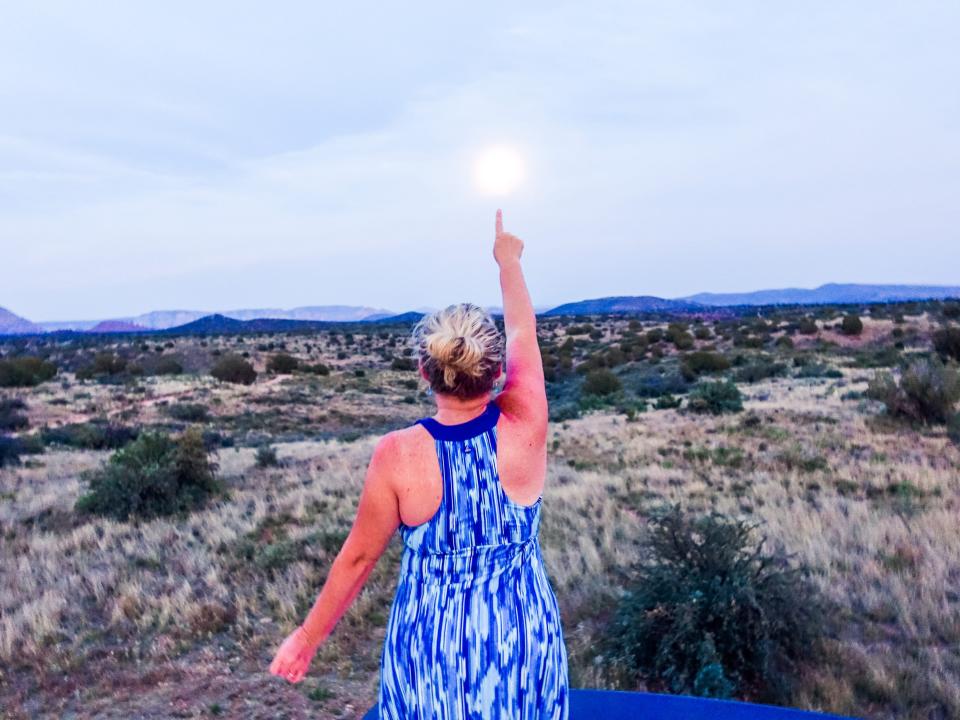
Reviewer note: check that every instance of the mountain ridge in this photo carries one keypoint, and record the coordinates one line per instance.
(828, 294)
(304, 316)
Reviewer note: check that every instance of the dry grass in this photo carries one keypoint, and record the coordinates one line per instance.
(172, 618)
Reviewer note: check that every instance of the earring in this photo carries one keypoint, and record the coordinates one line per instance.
(429, 390)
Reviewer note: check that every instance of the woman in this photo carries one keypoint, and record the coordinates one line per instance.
(474, 630)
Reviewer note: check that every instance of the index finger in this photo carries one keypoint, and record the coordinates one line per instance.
(499, 222)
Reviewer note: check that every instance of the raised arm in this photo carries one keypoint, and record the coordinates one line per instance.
(524, 392)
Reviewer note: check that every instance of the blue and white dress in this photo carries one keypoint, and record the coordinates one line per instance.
(474, 631)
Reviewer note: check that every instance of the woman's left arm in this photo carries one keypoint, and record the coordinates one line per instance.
(378, 517)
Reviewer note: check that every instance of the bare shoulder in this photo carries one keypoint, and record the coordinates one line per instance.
(402, 447)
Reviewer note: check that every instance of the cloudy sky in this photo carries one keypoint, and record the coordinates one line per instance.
(244, 154)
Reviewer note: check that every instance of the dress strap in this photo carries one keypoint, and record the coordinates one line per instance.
(465, 430)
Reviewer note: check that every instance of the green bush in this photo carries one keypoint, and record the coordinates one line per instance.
(155, 475)
(946, 341)
(403, 363)
(25, 371)
(105, 364)
(818, 370)
(267, 457)
(167, 365)
(701, 362)
(318, 369)
(234, 369)
(759, 369)
(709, 614)
(808, 326)
(90, 436)
(601, 382)
(9, 451)
(851, 325)
(715, 398)
(189, 412)
(667, 402)
(282, 364)
(953, 428)
(926, 392)
(678, 335)
(10, 416)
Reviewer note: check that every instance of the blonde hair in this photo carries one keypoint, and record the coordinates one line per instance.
(461, 349)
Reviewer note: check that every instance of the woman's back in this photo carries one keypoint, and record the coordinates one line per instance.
(474, 631)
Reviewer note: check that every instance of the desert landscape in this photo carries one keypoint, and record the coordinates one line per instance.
(833, 429)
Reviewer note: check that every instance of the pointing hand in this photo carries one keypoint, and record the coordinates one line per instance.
(506, 247)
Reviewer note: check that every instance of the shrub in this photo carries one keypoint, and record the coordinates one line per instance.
(403, 363)
(808, 326)
(104, 364)
(927, 391)
(715, 398)
(25, 371)
(9, 451)
(700, 362)
(601, 382)
(189, 412)
(167, 365)
(282, 364)
(91, 436)
(851, 325)
(153, 476)
(760, 369)
(656, 380)
(667, 402)
(953, 428)
(234, 369)
(709, 614)
(10, 417)
(317, 369)
(946, 341)
(678, 335)
(267, 457)
(817, 370)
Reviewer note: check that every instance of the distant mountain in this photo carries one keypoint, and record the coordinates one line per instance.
(218, 323)
(160, 319)
(626, 305)
(116, 326)
(215, 323)
(163, 319)
(326, 313)
(11, 324)
(829, 294)
(407, 317)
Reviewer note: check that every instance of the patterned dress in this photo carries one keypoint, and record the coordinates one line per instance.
(474, 631)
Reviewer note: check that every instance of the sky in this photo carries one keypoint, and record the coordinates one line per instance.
(223, 155)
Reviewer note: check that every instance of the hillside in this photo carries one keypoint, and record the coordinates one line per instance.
(11, 324)
(829, 294)
(625, 304)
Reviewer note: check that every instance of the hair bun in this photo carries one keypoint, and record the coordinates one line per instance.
(461, 349)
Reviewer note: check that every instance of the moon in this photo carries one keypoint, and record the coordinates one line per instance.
(498, 170)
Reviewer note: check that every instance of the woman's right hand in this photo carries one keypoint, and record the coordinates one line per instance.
(506, 247)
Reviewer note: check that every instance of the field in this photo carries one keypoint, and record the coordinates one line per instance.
(179, 616)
